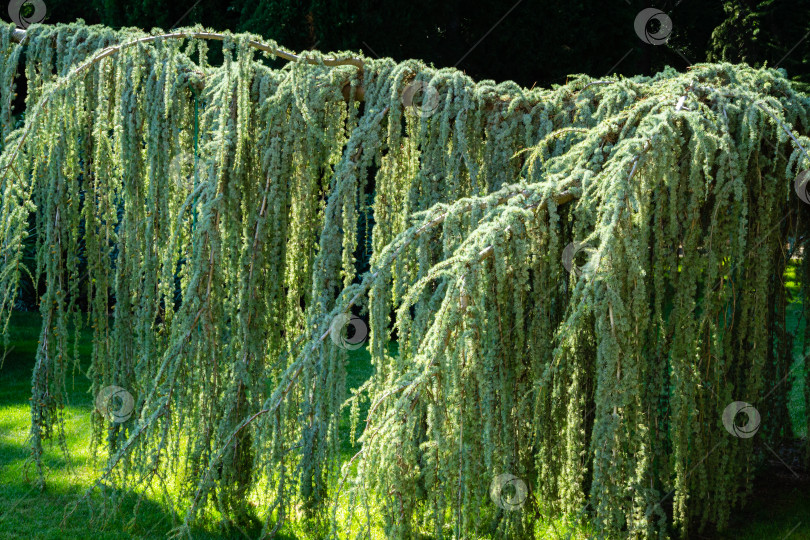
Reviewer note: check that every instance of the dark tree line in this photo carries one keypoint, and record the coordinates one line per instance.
(536, 42)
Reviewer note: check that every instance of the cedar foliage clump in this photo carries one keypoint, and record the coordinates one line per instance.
(202, 221)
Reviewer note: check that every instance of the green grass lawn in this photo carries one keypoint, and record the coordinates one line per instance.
(779, 509)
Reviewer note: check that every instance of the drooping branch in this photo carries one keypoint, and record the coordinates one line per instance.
(297, 367)
(19, 35)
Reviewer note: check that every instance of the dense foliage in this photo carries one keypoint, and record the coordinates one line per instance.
(203, 222)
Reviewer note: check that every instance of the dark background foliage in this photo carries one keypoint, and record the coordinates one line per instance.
(536, 42)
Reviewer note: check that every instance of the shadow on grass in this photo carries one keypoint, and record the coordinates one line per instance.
(59, 512)
(54, 514)
(779, 507)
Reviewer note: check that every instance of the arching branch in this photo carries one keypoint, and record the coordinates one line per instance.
(19, 35)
